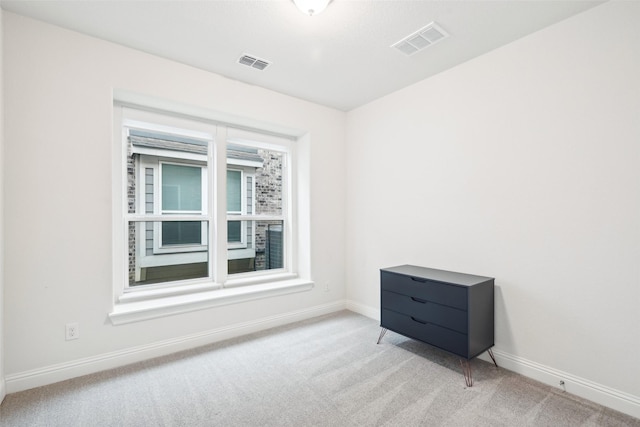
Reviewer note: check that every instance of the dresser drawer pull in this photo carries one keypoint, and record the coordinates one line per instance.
(419, 321)
(421, 301)
(418, 279)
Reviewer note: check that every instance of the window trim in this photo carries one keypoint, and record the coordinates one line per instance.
(186, 295)
(170, 301)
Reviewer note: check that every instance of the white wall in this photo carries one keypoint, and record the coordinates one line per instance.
(523, 165)
(58, 140)
(520, 164)
(2, 383)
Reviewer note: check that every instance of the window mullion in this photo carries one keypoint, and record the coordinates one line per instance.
(167, 217)
(220, 206)
(211, 205)
(237, 217)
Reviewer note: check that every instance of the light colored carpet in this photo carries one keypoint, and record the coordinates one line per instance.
(326, 371)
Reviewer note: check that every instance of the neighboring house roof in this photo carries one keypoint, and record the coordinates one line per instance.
(163, 144)
(235, 153)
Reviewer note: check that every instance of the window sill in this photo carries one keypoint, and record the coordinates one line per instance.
(135, 309)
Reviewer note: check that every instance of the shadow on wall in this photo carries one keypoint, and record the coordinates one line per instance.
(502, 332)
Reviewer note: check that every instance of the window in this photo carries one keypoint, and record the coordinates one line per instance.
(256, 206)
(182, 176)
(167, 204)
(181, 193)
(236, 234)
(234, 205)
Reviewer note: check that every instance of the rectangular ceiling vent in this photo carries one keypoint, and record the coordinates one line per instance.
(254, 62)
(424, 37)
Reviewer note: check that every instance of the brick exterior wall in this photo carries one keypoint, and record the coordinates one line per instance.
(131, 208)
(268, 201)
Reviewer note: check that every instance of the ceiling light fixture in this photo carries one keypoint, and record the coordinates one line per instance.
(311, 7)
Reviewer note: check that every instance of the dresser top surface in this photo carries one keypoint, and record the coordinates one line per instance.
(451, 277)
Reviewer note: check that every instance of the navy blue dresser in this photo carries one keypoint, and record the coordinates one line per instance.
(448, 310)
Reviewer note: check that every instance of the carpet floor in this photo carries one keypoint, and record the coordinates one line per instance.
(326, 371)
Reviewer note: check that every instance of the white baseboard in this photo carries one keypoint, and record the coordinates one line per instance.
(75, 368)
(365, 310)
(606, 396)
(598, 393)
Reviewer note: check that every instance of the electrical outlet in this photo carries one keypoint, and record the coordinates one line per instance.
(72, 331)
(326, 286)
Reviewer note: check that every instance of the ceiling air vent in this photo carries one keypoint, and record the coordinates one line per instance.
(424, 37)
(253, 62)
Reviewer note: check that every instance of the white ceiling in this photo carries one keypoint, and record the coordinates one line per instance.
(340, 58)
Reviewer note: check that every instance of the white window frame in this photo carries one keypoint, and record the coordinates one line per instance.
(249, 139)
(158, 247)
(242, 244)
(153, 162)
(154, 158)
(149, 301)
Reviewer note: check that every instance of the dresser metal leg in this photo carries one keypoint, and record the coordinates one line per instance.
(466, 371)
(382, 332)
(492, 358)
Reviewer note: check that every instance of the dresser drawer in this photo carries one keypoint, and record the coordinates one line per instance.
(426, 290)
(419, 329)
(428, 311)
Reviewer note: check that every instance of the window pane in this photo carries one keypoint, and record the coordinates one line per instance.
(273, 245)
(234, 231)
(234, 191)
(149, 263)
(264, 248)
(181, 233)
(181, 188)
